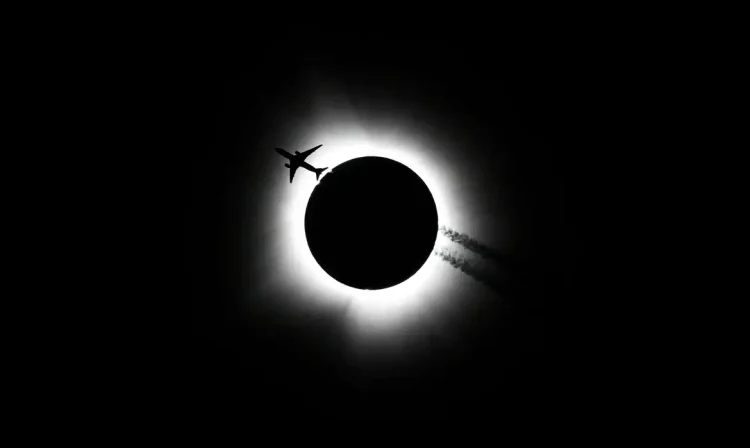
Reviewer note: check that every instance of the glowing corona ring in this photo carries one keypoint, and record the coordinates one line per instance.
(294, 270)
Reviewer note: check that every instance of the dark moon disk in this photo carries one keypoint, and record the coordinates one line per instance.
(371, 223)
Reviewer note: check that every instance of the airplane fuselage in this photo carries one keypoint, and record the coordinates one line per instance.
(298, 160)
(284, 153)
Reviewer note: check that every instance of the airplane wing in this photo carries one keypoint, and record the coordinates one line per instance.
(303, 155)
(292, 170)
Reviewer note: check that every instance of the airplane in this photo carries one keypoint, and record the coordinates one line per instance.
(298, 160)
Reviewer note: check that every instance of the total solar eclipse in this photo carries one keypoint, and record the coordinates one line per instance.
(371, 223)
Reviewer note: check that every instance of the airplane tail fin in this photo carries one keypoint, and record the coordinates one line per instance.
(318, 172)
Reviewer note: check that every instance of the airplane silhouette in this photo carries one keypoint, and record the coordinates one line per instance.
(298, 160)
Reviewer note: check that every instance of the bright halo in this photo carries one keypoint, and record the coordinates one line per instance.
(298, 273)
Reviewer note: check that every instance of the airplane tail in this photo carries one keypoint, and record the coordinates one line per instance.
(319, 171)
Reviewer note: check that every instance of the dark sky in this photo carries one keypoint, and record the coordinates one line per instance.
(527, 109)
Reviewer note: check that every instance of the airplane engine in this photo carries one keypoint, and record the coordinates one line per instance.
(287, 165)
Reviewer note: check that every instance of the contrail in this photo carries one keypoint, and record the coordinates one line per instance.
(454, 259)
(481, 262)
(476, 269)
(471, 244)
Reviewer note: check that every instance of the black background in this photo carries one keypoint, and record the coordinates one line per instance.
(190, 354)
